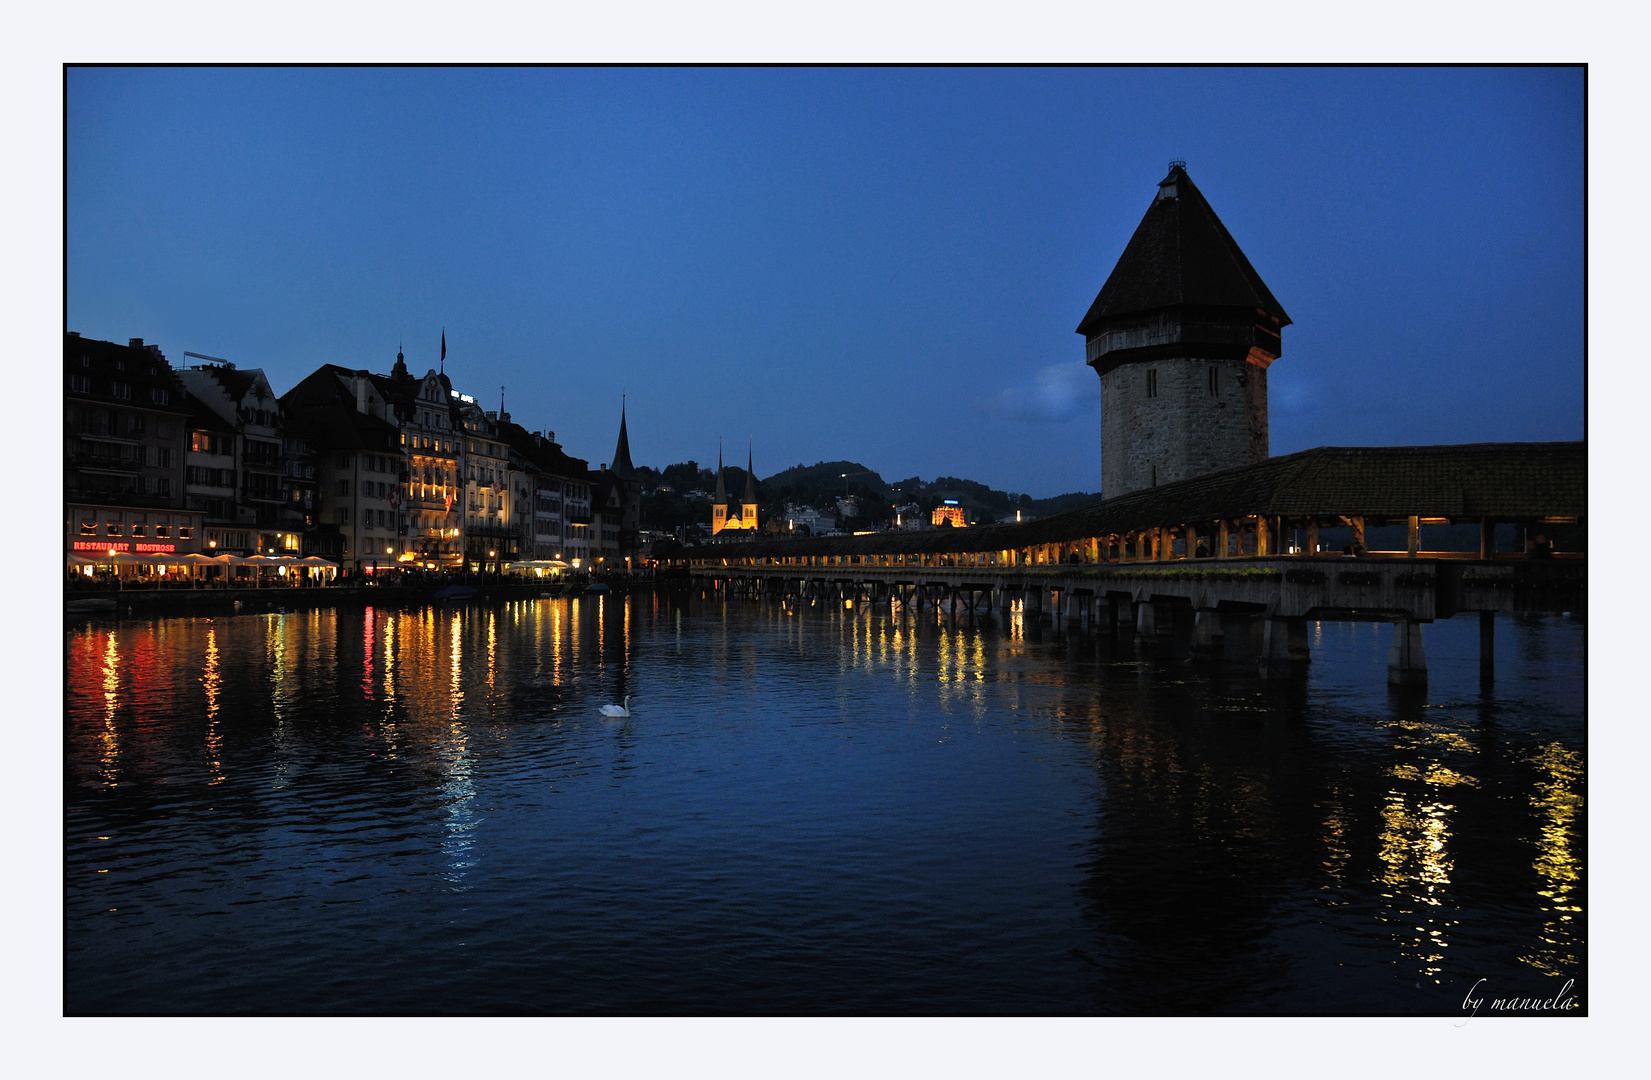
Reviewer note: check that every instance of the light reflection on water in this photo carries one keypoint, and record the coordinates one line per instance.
(817, 807)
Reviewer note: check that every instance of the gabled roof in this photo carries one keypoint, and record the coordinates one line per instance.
(202, 417)
(322, 406)
(1181, 255)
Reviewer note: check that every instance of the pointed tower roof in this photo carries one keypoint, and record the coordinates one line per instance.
(622, 466)
(721, 497)
(750, 480)
(1180, 256)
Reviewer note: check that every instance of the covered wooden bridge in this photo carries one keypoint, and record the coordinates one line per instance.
(1329, 533)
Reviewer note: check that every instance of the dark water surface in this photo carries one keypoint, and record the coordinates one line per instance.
(813, 809)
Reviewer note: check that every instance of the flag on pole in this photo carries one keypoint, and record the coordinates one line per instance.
(444, 345)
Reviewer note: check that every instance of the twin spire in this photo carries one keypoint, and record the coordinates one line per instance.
(751, 495)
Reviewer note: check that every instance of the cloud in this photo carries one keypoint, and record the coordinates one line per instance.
(1057, 394)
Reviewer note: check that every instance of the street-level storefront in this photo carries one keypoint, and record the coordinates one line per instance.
(128, 530)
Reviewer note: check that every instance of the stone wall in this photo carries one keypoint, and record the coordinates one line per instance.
(1183, 431)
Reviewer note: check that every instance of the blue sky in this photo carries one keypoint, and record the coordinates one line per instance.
(879, 264)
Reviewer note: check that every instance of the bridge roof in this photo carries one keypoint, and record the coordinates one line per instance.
(1466, 481)
(1180, 254)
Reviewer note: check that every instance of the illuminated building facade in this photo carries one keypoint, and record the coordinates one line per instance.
(733, 517)
(951, 514)
(492, 492)
(1181, 334)
(124, 437)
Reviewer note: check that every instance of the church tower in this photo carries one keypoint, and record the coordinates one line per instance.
(719, 501)
(1181, 334)
(630, 517)
(729, 515)
(748, 504)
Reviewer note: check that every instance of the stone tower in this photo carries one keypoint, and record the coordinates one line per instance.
(1181, 335)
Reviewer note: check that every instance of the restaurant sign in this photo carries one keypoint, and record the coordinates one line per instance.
(142, 549)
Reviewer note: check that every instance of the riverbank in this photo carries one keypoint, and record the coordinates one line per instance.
(228, 601)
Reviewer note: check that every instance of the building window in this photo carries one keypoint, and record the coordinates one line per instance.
(1152, 384)
(366, 517)
(185, 531)
(120, 389)
(343, 487)
(111, 528)
(88, 525)
(1215, 382)
(162, 532)
(139, 531)
(163, 457)
(160, 395)
(80, 384)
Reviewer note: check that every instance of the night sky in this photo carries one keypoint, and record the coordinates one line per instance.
(885, 265)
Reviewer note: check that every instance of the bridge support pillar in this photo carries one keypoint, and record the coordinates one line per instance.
(1206, 630)
(1406, 661)
(1284, 649)
(1146, 619)
(1487, 644)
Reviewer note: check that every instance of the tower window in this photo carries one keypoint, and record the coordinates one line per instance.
(1152, 384)
(1215, 382)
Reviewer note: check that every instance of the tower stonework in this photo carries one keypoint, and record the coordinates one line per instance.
(1181, 334)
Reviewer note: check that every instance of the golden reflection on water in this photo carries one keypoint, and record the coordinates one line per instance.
(1414, 843)
(109, 759)
(367, 653)
(459, 788)
(211, 681)
(1557, 803)
(390, 659)
(492, 649)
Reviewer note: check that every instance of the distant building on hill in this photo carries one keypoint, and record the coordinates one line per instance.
(727, 516)
(949, 513)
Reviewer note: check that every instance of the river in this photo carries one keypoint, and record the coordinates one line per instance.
(813, 808)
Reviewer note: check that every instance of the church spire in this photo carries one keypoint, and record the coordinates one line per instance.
(622, 466)
(750, 481)
(722, 480)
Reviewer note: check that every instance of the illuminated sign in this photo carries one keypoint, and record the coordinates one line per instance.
(118, 545)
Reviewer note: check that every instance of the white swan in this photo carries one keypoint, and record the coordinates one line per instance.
(618, 710)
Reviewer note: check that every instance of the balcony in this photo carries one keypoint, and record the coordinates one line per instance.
(101, 463)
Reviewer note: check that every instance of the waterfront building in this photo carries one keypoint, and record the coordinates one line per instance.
(359, 464)
(559, 488)
(124, 437)
(432, 438)
(1181, 335)
(491, 537)
(242, 399)
(729, 516)
(210, 481)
